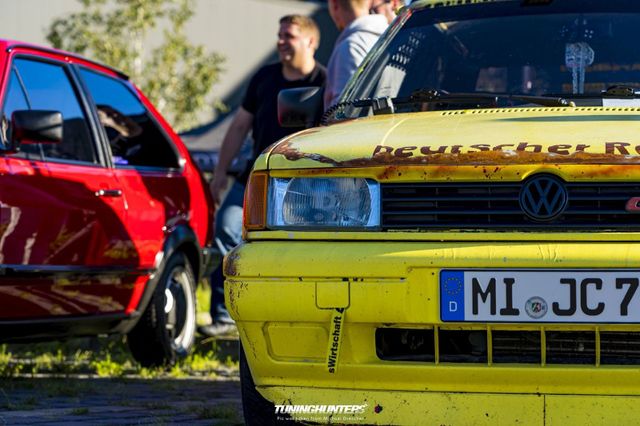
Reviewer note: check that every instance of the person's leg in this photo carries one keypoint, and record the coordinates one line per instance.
(218, 311)
(228, 235)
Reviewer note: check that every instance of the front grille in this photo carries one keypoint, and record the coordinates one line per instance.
(571, 347)
(620, 348)
(495, 205)
(523, 347)
(488, 346)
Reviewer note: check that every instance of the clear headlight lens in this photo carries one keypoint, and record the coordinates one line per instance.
(323, 203)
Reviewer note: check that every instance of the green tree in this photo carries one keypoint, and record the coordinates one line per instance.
(177, 75)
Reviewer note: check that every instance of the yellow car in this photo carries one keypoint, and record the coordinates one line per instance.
(458, 243)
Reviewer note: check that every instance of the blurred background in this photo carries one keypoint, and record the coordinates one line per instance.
(243, 32)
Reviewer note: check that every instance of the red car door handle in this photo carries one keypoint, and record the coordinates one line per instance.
(109, 193)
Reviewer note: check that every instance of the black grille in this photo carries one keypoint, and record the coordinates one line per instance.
(620, 348)
(516, 347)
(463, 346)
(436, 345)
(496, 205)
(401, 344)
(571, 347)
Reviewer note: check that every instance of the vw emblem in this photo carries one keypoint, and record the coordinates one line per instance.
(543, 198)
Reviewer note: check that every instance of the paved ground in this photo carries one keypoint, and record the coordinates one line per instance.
(95, 401)
(63, 396)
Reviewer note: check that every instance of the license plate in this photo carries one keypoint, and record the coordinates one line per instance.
(540, 296)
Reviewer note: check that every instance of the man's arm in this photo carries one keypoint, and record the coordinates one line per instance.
(231, 145)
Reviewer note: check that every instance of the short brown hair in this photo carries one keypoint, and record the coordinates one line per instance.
(353, 4)
(305, 23)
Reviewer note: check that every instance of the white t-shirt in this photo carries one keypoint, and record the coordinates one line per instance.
(351, 47)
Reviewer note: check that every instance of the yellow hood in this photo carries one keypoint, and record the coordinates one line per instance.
(590, 135)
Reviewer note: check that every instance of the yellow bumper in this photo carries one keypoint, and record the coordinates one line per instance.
(284, 296)
(443, 408)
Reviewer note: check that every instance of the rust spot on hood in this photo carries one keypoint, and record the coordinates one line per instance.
(292, 154)
(481, 158)
(389, 172)
(493, 158)
(616, 170)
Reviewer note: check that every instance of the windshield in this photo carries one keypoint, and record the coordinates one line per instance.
(573, 49)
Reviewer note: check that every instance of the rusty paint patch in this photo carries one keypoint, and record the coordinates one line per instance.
(292, 154)
(286, 140)
(235, 293)
(389, 172)
(230, 266)
(516, 172)
(494, 158)
(480, 158)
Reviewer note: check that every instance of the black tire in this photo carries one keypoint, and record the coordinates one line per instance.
(257, 410)
(167, 328)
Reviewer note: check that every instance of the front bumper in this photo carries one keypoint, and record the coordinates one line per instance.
(283, 296)
(445, 408)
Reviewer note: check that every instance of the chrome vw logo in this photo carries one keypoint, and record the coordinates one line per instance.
(543, 198)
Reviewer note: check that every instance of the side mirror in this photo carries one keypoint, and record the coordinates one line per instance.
(35, 126)
(300, 107)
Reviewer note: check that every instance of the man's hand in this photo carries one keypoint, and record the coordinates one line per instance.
(218, 185)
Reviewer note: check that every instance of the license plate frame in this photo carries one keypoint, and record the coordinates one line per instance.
(597, 296)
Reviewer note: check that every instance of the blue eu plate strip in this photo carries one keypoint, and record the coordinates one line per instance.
(452, 295)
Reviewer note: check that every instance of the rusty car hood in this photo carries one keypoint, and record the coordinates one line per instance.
(583, 135)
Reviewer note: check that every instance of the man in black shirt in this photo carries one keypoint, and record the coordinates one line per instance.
(298, 40)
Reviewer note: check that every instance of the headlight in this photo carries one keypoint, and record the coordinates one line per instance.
(323, 203)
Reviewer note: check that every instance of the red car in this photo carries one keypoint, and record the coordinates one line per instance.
(105, 222)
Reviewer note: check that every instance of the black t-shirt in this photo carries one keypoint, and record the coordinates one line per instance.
(261, 100)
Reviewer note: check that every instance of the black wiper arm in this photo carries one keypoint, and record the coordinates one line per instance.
(386, 105)
(430, 95)
(542, 100)
(481, 98)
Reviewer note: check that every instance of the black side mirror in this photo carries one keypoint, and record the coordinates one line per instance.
(300, 107)
(35, 126)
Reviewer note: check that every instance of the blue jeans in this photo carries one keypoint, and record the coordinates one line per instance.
(228, 235)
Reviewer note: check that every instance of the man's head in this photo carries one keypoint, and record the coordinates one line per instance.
(298, 40)
(387, 8)
(343, 12)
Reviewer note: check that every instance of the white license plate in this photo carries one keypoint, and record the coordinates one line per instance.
(578, 296)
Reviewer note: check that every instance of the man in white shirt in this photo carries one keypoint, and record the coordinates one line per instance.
(359, 32)
(388, 8)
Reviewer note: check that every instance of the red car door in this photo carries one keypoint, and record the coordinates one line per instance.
(145, 161)
(63, 211)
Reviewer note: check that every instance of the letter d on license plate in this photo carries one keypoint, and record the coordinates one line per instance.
(582, 296)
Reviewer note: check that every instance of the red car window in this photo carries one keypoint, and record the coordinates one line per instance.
(134, 137)
(46, 86)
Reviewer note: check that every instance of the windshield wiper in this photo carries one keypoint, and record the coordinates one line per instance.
(442, 96)
(480, 98)
(387, 105)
